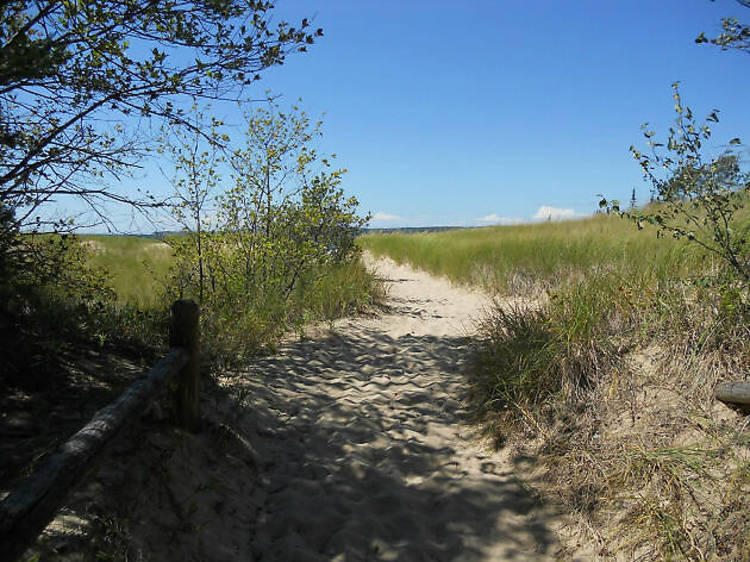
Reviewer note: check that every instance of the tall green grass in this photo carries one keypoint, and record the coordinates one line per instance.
(138, 266)
(510, 257)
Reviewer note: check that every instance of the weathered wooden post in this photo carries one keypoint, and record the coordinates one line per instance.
(736, 392)
(185, 333)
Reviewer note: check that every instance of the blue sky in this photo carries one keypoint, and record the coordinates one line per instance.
(479, 111)
(447, 112)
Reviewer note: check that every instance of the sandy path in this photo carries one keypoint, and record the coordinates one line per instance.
(363, 446)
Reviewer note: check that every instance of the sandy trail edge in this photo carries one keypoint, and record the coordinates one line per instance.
(366, 451)
(353, 444)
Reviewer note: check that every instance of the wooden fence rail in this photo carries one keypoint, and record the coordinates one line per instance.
(737, 392)
(27, 510)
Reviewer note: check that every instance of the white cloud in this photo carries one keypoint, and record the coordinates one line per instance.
(494, 218)
(547, 212)
(385, 217)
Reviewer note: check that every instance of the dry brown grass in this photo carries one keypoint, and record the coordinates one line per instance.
(648, 464)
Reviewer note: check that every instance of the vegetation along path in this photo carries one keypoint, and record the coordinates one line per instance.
(364, 447)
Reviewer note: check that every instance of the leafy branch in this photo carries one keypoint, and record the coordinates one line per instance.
(68, 69)
(694, 197)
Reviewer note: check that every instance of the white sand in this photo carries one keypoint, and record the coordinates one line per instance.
(352, 445)
(364, 447)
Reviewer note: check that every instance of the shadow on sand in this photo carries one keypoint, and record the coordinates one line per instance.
(345, 447)
(365, 452)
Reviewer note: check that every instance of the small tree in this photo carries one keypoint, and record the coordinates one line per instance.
(284, 219)
(286, 213)
(196, 154)
(695, 197)
(281, 227)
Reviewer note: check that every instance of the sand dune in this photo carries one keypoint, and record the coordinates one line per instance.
(353, 444)
(365, 448)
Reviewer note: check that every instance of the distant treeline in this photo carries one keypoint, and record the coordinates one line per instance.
(410, 229)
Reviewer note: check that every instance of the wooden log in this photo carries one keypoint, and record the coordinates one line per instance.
(185, 333)
(31, 506)
(736, 392)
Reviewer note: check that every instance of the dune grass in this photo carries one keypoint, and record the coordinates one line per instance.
(504, 258)
(138, 266)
